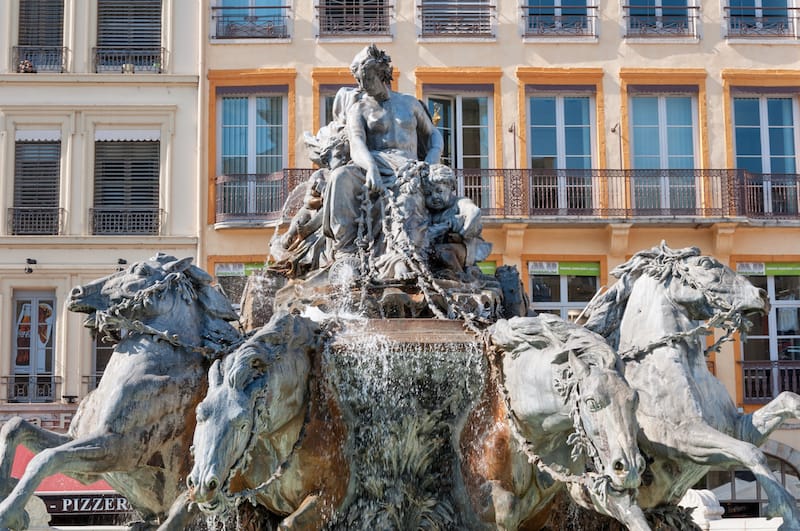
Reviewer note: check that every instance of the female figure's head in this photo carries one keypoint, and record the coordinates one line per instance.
(372, 69)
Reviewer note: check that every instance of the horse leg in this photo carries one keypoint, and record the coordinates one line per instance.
(307, 517)
(181, 514)
(709, 447)
(89, 456)
(19, 431)
(756, 427)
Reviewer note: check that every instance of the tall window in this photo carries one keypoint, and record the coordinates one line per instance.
(128, 36)
(771, 354)
(36, 184)
(102, 349)
(562, 288)
(464, 120)
(126, 188)
(41, 36)
(250, 19)
(766, 140)
(663, 138)
(560, 144)
(559, 17)
(252, 152)
(353, 17)
(659, 17)
(760, 18)
(32, 378)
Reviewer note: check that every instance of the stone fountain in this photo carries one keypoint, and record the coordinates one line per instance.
(383, 381)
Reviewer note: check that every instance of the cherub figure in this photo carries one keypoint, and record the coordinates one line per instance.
(455, 225)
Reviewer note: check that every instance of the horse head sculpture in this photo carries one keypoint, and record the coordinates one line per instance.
(252, 422)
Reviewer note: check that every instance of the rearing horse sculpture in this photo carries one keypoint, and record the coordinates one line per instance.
(689, 422)
(135, 429)
(555, 405)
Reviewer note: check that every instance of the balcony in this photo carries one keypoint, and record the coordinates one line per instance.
(642, 195)
(39, 59)
(35, 221)
(367, 19)
(124, 60)
(456, 19)
(126, 221)
(257, 198)
(752, 22)
(764, 380)
(251, 23)
(30, 388)
(664, 21)
(564, 22)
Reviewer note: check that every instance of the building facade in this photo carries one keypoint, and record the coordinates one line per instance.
(98, 169)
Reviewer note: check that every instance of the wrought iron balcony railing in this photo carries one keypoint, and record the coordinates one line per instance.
(126, 221)
(258, 22)
(558, 22)
(29, 388)
(34, 221)
(664, 21)
(539, 193)
(443, 18)
(339, 19)
(764, 380)
(762, 21)
(128, 60)
(39, 59)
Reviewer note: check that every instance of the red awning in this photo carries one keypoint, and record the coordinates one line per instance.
(57, 482)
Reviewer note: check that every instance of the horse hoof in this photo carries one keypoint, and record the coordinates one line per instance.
(17, 522)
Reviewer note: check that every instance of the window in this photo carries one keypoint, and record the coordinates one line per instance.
(559, 17)
(563, 288)
(560, 144)
(339, 18)
(37, 162)
(32, 378)
(41, 36)
(758, 18)
(740, 494)
(129, 36)
(252, 153)
(663, 139)
(451, 18)
(102, 349)
(126, 185)
(327, 96)
(250, 19)
(766, 140)
(771, 353)
(660, 17)
(464, 117)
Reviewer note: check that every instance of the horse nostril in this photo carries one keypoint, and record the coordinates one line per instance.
(619, 466)
(76, 292)
(212, 484)
(641, 464)
(190, 482)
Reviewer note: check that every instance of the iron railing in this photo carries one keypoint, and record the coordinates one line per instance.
(555, 22)
(256, 197)
(769, 195)
(661, 21)
(537, 193)
(39, 59)
(33, 221)
(762, 21)
(369, 18)
(257, 22)
(29, 388)
(443, 18)
(764, 380)
(126, 221)
(125, 60)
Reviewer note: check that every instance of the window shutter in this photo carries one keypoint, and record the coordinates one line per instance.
(126, 190)
(127, 23)
(41, 23)
(36, 188)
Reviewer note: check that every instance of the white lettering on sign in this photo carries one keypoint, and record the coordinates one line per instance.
(97, 503)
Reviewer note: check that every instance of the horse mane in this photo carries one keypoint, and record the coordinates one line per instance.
(604, 314)
(551, 334)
